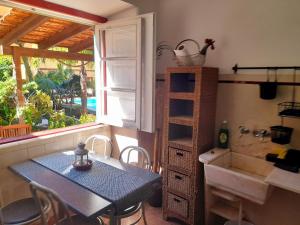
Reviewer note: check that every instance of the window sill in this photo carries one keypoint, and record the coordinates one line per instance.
(8, 142)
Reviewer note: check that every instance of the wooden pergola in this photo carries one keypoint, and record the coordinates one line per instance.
(22, 27)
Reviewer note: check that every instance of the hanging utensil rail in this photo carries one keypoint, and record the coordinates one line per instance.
(235, 68)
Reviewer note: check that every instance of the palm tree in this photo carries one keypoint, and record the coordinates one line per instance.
(83, 84)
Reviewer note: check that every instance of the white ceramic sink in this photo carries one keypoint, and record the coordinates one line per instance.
(240, 175)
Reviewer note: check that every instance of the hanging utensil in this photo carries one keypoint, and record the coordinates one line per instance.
(268, 89)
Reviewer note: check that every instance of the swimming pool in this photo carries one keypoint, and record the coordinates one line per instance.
(91, 103)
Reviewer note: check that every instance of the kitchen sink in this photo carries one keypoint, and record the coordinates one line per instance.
(240, 175)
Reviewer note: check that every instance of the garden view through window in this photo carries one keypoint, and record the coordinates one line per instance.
(57, 93)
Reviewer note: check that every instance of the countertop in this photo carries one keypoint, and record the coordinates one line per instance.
(284, 179)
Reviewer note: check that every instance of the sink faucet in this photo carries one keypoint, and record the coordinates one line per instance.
(243, 130)
(261, 133)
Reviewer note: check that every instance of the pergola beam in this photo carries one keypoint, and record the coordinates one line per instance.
(82, 45)
(40, 53)
(63, 35)
(62, 9)
(21, 30)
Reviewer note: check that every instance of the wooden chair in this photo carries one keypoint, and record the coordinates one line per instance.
(22, 212)
(60, 211)
(102, 138)
(142, 160)
(14, 130)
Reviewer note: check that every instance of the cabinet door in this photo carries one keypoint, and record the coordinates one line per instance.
(124, 61)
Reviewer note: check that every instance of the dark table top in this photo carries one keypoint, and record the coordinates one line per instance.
(109, 182)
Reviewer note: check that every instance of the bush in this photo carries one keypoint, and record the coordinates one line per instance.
(6, 68)
(8, 103)
(39, 106)
(29, 89)
(58, 119)
(87, 118)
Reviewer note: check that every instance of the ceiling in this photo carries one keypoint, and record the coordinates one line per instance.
(103, 8)
(18, 26)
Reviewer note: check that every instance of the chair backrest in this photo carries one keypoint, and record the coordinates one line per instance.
(59, 209)
(141, 157)
(106, 140)
(14, 130)
(1, 218)
(1, 205)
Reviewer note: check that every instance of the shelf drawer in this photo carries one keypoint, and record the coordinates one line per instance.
(179, 182)
(180, 159)
(178, 205)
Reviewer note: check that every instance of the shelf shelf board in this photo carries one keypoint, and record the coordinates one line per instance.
(225, 195)
(182, 143)
(182, 95)
(225, 211)
(182, 120)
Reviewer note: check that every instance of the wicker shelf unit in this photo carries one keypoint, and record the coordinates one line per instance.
(189, 118)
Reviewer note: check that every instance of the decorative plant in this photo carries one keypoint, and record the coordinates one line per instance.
(208, 43)
(164, 46)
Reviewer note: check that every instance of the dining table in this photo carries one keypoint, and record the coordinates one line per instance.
(109, 186)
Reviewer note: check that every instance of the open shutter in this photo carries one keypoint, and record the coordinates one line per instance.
(124, 63)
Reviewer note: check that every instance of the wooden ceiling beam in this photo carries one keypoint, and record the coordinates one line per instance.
(63, 35)
(22, 29)
(82, 45)
(40, 53)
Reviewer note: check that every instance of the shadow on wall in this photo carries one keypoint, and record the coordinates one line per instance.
(122, 138)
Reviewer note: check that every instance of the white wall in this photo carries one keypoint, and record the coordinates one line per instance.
(251, 33)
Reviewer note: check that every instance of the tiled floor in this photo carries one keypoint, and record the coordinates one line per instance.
(153, 217)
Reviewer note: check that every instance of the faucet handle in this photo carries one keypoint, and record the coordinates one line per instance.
(261, 133)
(243, 130)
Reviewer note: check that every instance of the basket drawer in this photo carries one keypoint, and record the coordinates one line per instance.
(178, 205)
(181, 159)
(179, 182)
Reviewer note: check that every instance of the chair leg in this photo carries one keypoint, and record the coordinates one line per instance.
(144, 213)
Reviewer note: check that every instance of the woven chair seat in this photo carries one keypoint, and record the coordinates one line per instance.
(20, 211)
(130, 210)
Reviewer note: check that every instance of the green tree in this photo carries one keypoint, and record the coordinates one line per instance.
(44, 83)
(61, 74)
(6, 67)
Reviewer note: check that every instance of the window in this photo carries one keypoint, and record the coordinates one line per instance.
(124, 52)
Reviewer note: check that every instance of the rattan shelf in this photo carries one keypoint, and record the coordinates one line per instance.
(182, 120)
(182, 143)
(187, 133)
(182, 95)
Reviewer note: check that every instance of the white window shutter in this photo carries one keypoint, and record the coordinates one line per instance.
(124, 67)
